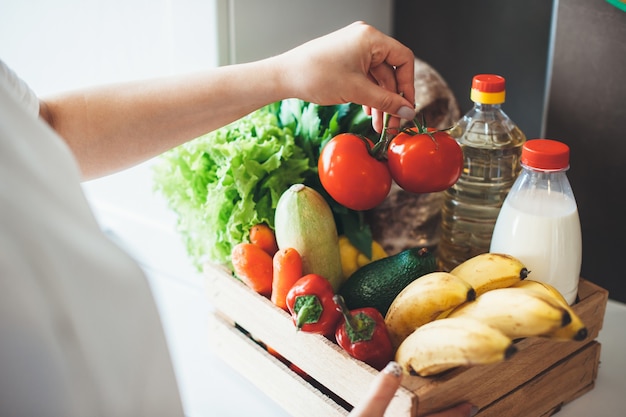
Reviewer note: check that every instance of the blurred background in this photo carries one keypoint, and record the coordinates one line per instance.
(565, 66)
(564, 62)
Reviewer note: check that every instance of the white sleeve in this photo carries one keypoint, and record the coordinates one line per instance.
(19, 89)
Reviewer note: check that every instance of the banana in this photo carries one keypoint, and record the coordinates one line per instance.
(423, 300)
(517, 312)
(451, 342)
(542, 287)
(576, 330)
(489, 271)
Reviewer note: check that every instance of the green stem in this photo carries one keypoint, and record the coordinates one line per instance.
(379, 151)
(359, 327)
(350, 321)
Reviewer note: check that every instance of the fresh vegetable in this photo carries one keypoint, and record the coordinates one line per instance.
(352, 258)
(378, 283)
(305, 222)
(310, 302)
(363, 334)
(263, 235)
(222, 184)
(287, 269)
(351, 174)
(424, 161)
(253, 266)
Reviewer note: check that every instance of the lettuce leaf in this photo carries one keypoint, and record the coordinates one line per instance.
(223, 183)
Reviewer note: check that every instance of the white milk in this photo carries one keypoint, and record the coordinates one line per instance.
(544, 233)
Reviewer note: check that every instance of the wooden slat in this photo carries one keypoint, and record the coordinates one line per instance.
(269, 374)
(349, 379)
(547, 392)
(319, 357)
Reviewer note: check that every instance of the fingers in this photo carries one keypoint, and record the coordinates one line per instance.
(357, 64)
(395, 73)
(378, 100)
(395, 93)
(382, 391)
(393, 124)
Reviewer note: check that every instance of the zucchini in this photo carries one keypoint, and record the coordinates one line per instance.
(305, 222)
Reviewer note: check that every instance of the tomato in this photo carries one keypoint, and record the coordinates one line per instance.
(351, 175)
(422, 162)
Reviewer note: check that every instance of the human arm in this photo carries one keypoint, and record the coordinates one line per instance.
(383, 389)
(116, 126)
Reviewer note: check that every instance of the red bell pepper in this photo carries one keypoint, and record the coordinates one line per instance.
(363, 334)
(310, 302)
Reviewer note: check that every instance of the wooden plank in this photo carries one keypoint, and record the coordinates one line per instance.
(349, 379)
(547, 392)
(269, 374)
(319, 357)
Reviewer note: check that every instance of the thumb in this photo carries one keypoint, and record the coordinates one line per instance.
(381, 392)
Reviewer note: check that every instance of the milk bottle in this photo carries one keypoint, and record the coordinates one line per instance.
(539, 222)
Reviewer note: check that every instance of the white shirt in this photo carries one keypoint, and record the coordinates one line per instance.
(80, 334)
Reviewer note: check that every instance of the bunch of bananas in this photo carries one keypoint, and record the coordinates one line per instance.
(473, 315)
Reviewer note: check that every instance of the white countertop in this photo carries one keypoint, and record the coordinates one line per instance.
(209, 387)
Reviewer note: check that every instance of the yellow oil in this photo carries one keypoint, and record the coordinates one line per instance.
(492, 146)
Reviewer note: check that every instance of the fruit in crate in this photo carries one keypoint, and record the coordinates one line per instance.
(353, 173)
(488, 271)
(352, 258)
(517, 312)
(378, 283)
(423, 300)
(508, 303)
(448, 343)
(576, 329)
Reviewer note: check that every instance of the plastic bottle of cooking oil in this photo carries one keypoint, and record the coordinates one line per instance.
(492, 145)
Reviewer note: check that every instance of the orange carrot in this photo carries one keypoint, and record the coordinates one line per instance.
(263, 235)
(253, 266)
(287, 264)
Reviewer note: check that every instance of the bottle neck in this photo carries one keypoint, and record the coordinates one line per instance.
(487, 107)
(552, 181)
(543, 171)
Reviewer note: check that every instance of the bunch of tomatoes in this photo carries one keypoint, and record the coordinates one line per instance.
(358, 173)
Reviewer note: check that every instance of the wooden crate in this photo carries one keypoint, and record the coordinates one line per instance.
(537, 381)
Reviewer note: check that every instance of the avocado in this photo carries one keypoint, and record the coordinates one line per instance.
(378, 283)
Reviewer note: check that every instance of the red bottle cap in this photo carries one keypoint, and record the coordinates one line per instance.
(545, 154)
(488, 89)
(488, 83)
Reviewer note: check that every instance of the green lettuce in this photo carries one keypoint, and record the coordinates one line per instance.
(223, 183)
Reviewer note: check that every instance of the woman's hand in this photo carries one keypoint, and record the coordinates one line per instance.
(357, 64)
(383, 389)
(115, 126)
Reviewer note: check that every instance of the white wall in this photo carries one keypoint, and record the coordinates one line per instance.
(65, 44)
(257, 29)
